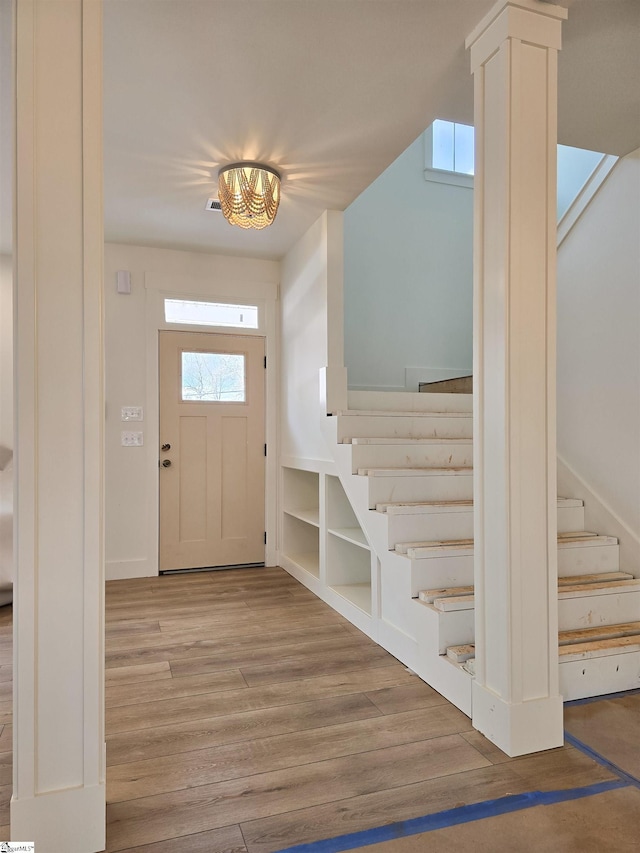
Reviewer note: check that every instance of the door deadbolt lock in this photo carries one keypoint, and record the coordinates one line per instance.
(166, 447)
(166, 463)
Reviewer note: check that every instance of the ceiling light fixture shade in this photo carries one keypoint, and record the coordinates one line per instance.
(249, 194)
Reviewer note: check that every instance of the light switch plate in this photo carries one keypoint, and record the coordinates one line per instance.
(131, 439)
(131, 413)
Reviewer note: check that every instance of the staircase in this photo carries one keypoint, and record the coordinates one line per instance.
(405, 462)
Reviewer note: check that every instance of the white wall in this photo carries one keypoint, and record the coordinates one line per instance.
(6, 418)
(6, 351)
(131, 325)
(310, 334)
(408, 277)
(599, 345)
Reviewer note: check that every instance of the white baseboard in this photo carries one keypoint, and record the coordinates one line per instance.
(116, 570)
(73, 820)
(599, 516)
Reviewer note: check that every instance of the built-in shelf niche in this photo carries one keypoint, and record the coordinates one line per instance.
(301, 518)
(348, 561)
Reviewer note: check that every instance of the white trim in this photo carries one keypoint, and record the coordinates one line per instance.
(159, 286)
(69, 820)
(586, 194)
(454, 179)
(123, 569)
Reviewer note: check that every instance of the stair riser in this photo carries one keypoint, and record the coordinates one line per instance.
(452, 629)
(432, 526)
(430, 488)
(411, 456)
(599, 676)
(375, 426)
(588, 560)
(592, 610)
(441, 574)
(409, 401)
(458, 525)
(570, 519)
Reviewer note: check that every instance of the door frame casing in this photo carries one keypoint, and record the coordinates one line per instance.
(160, 286)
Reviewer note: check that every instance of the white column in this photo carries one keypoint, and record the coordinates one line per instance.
(59, 774)
(516, 701)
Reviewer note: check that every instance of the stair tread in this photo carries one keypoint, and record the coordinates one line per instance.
(461, 597)
(465, 544)
(384, 413)
(400, 441)
(429, 595)
(575, 580)
(424, 507)
(600, 648)
(414, 507)
(599, 632)
(588, 643)
(459, 654)
(412, 472)
(578, 581)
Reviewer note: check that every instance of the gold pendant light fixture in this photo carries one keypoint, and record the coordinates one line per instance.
(249, 194)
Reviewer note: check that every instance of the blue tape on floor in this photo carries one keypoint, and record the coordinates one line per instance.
(453, 817)
(627, 778)
(589, 699)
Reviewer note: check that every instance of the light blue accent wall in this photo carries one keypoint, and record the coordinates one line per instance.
(575, 167)
(408, 276)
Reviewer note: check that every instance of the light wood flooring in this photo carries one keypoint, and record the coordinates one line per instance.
(245, 716)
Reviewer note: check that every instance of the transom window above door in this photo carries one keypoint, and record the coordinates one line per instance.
(213, 377)
(192, 312)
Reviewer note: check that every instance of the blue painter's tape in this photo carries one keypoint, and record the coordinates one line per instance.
(453, 817)
(627, 778)
(589, 699)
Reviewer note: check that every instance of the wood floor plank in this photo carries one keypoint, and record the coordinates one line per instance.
(197, 608)
(5, 768)
(254, 649)
(131, 626)
(223, 651)
(228, 839)
(188, 698)
(160, 775)
(295, 667)
(5, 798)
(137, 674)
(174, 688)
(154, 818)
(392, 700)
(232, 728)
(6, 738)
(242, 625)
(246, 619)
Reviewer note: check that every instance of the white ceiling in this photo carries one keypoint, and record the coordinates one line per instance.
(329, 92)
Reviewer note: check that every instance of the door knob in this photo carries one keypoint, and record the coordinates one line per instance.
(166, 447)
(166, 463)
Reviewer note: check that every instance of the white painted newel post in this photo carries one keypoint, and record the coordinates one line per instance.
(516, 701)
(59, 774)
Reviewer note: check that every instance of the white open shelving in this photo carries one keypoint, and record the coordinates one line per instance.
(321, 536)
(348, 569)
(301, 519)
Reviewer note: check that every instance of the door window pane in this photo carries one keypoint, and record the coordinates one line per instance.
(213, 377)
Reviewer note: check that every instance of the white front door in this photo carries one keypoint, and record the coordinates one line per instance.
(212, 451)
